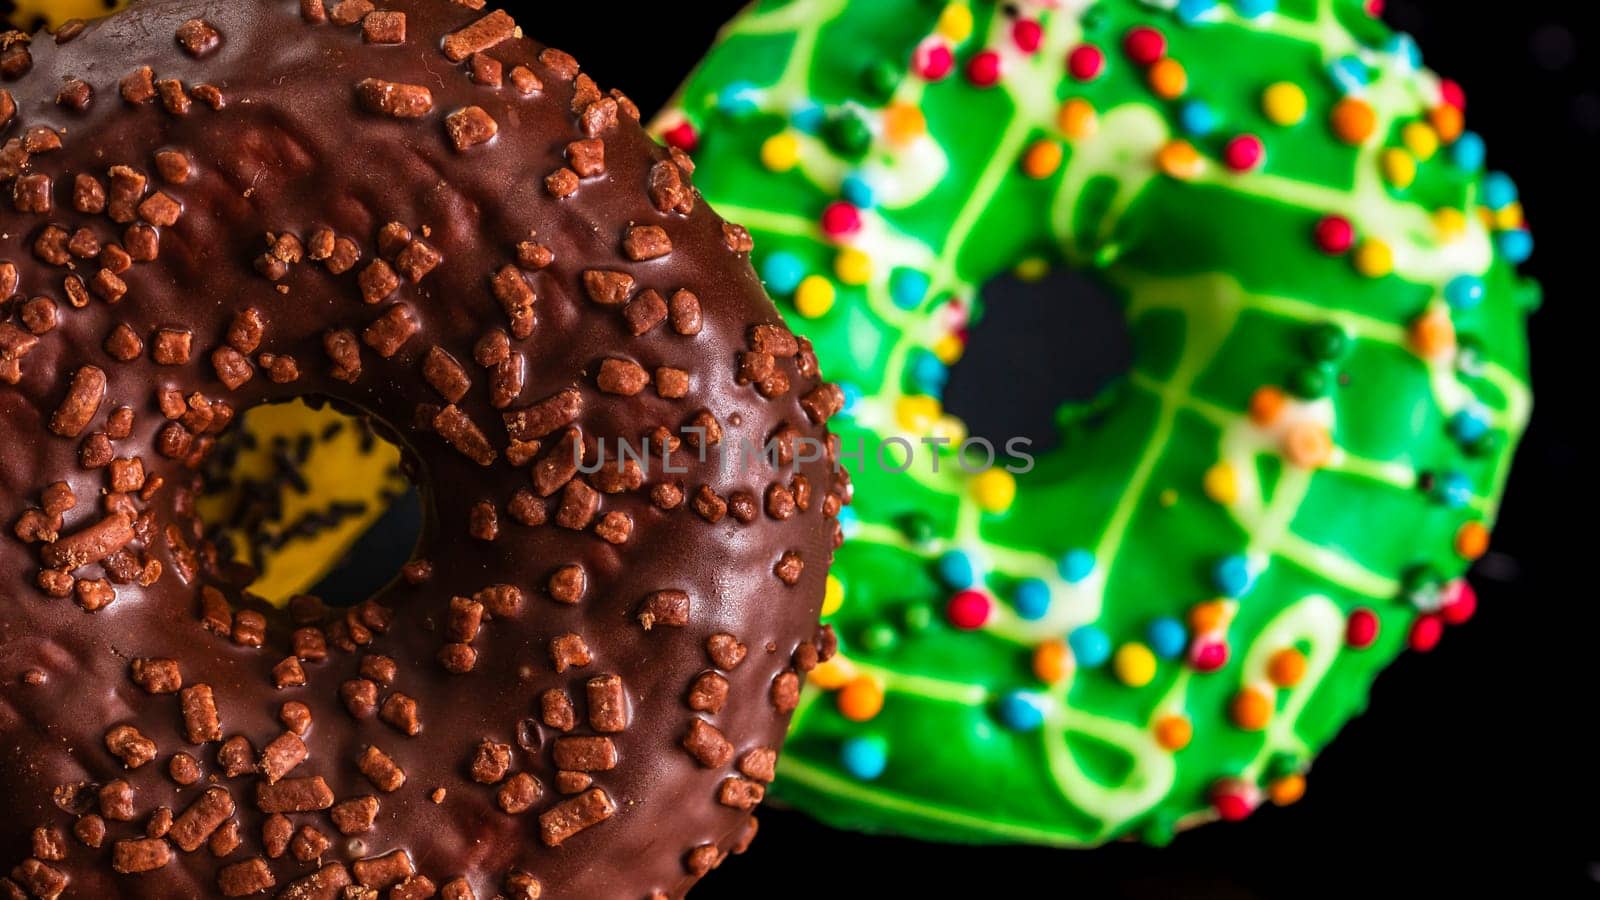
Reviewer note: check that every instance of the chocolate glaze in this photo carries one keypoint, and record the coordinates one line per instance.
(295, 148)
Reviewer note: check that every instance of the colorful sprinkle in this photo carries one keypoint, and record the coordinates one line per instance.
(917, 413)
(984, 69)
(1144, 45)
(1232, 576)
(1335, 235)
(1250, 710)
(858, 192)
(782, 272)
(1051, 661)
(1361, 629)
(1027, 35)
(1374, 258)
(1348, 74)
(968, 610)
(814, 296)
(682, 136)
(1180, 160)
(1233, 800)
(907, 288)
(959, 569)
(1076, 565)
(1168, 78)
(1174, 732)
(1208, 656)
(1399, 167)
(1287, 790)
(1284, 103)
(832, 595)
(1469, 152)
(840, 220)
(1245, 153)
(1255, 9)
(1472, 540)
(1022, 711)
(1167, 637)
(1267, 405)
(1287, 667)
(831, 675)
(865, 758)
(1221, 484)
(1308, 445)
(1090, 646)
(1197, 118)
(1077, 119)
(1420, 139)
(994, 489)
(1353, 120)
(1448, 121)
(1432, 335)
(1086, 62)
(1031, 598)
(853, 266)
(1042, 159)
(904, 123)
(955, 22)
(1190, 12)
(1134, 665)
(1425, 633)
(1515, 246)
(861, 699)
(933, 60)
(1464, 291)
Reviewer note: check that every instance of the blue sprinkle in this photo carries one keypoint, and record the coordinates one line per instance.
(1349, 74)
(1467, 426)
(908, 288)
(858, 192)
(864, 757)
(1076, 565)
(1090, 646)
(809, 117)
(1454, 489)
(1022, 711)
(958, 569)
(737, 98)
(1499, 191)
(852, 397)
(849, 521)
(1516, 245)
(1232, 576)
(1167, 637)
(1404, 48)
(1254, 9)
(1191, 11)
(1469, 151)
(1197, 118)
(1464, 291)
(782, 272)
(1031, 599)
(928, 374)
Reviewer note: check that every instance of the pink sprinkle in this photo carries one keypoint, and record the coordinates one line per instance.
(1361, 629)
(1426, 632)
(682, 136)
(1086, 62)
(840, 220)
(1335, 235)
(1451, 92)
(968, 610)
(1232, 807)
(933, 60)
(1244, 153)
(1375, 8)
(1144, 45)
(1208, 656)
(1027, 34)
(1460, 602)
(983, 69)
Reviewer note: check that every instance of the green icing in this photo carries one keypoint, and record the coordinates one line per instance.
(1225, 293)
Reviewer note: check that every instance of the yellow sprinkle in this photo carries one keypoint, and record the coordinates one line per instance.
(1134, 665)
(904, 123)
(955, 22)
(1450, 223)
(1421, 140)
(1174, 732)
(781, 152)
(1509, 218)
(1179, 159)
(832, 595)
(1286, 790)
(833, 674)
(1077, 119)
(814, 297)
(1373, 258)
(1284, 103)
(994, 489)
(1034, 268)
(1399, 167)
(853, 266)
(1222, 484)
(917, 413)
(949, 349)
(1042, 159)
(1168, 79)
(1486, 216)
(951, 428)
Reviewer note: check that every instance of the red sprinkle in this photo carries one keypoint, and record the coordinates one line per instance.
(1451, 92)
(1232, 799)
(1208, 656)
(1335, 235)
(682, 136)
(1375, 8)
(840, 220)
(1144, 45)
(933, 60)
(1425, 632)
(983, 69)
(1027, 34)
(1086, 62)
(1245, 153)
(968, 610)
(1460, 604)
(1361, 629)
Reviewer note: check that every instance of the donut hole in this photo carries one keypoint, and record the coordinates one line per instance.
(1046, 347)
(313, 499)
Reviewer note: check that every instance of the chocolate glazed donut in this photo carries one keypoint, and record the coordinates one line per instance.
(579, 686)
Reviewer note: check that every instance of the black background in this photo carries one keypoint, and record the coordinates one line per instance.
(1474, 770)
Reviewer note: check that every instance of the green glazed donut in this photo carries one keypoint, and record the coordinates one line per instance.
(1161, 620)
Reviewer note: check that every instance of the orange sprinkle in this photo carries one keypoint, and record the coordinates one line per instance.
(1308, 445)
(1250, 710)
(904, 123)
(1174, 732)
(1179, 159)
(1353, 120)
(861, 699)
(1042, 159)
(1051, 660)
(832, 675)
(1433, 334)
(1207, 617)
(1168, 79)
(1266, 405)
(1286, 790)
(1448, 121)
(1286, 667)
(1472, 540)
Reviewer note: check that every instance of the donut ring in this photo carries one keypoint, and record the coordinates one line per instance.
(580, 684)
(1165, 618)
